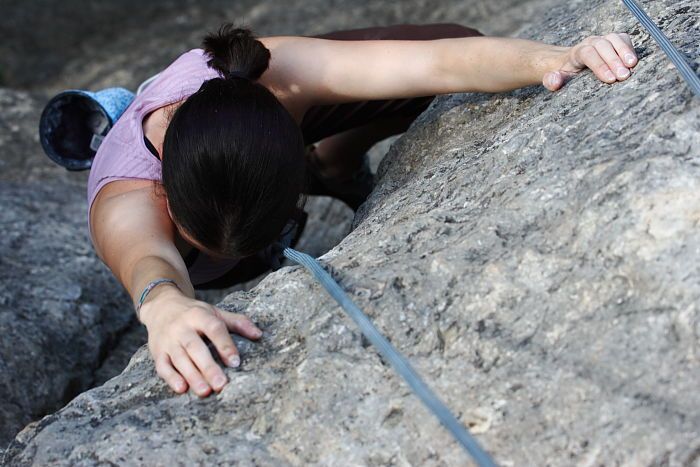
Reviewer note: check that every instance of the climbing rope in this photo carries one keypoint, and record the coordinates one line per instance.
(400, 364)
(676, 57)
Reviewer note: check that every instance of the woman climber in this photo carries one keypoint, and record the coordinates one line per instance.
(206, 168)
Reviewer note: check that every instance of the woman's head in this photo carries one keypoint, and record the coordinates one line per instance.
(233, 156)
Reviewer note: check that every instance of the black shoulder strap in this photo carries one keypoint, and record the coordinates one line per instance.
(150, 147)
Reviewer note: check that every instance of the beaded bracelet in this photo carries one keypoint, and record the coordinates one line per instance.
(151, 285)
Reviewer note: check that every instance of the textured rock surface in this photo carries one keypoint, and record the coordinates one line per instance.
(534, 254)
(51, 46)
(60, 309)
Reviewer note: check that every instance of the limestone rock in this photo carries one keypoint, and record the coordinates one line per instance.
(534, 254)
(60, 308)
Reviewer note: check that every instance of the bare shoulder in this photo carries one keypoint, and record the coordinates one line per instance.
(145, 191)
(126, 198)
(287, 54)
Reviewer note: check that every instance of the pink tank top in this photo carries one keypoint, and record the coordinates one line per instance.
(123, 154)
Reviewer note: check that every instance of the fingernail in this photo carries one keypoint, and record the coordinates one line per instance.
(609, 76)
(623, 72)
(219, 380)
(202, 387)
(257, 333)
(629, 58)
(234, 361)
(553, 79)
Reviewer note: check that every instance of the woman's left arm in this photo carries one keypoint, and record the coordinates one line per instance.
(322, 71)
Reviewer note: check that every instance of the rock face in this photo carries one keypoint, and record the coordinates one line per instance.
(535, 255)
(60, 309)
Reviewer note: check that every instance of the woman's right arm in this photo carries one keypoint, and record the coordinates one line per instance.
(134, 236)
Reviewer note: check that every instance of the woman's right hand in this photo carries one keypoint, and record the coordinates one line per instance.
(176, 325)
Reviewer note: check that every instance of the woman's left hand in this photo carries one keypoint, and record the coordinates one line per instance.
(609, 57)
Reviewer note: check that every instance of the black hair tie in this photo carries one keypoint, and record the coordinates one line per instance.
(237, 74)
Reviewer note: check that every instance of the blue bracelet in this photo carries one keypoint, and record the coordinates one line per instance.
(151, 285)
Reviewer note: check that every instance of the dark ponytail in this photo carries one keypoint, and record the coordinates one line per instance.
(236, 52)
(233, 157)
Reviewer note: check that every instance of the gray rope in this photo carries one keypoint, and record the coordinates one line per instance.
(400, 364)
(392, 355)
(676, 57)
